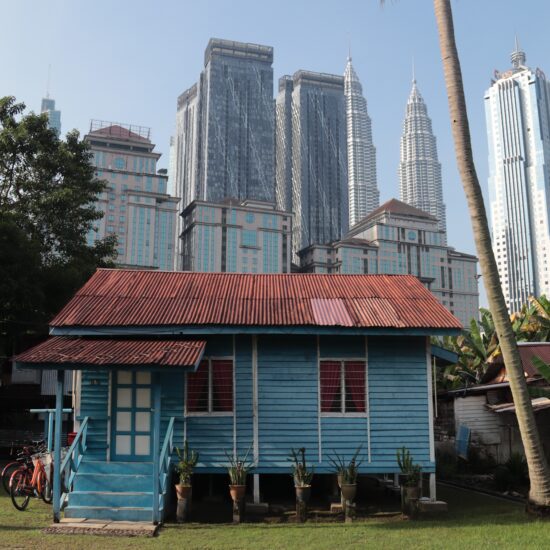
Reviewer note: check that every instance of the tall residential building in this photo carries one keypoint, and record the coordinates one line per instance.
(54, 116)
(311, 156)
(397, 238)
(420, 182)
(517, 108)
(224, 142)
(136, 206)
(236, 237)
(364, 196)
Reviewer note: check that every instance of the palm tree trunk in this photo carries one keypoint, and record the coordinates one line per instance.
(539, 473)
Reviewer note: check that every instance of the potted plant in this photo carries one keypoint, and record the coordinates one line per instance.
(302, 475)
(410, 476)
(238, 471)
(346, 473)
(184, 468)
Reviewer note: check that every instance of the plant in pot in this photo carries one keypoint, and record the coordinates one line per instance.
(184, 468)
(346, 473)
(302, 475)
(410, 476)
(238, 470)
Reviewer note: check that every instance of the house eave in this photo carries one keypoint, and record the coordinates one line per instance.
(152, 330)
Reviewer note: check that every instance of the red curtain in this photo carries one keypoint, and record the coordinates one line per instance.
(222, 377)
(197, 389)
(330, 386)
(355, 386)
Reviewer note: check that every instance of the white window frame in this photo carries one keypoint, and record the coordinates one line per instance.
(343, 413)
(210, 412)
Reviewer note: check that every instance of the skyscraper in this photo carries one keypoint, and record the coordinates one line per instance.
(364, 196)
(224, 126)
(517, 108)
(311, 157)
(136, 207)
(54, 117)
(420, 182)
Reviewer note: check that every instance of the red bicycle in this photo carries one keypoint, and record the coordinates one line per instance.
(31, 479)
(24, 455)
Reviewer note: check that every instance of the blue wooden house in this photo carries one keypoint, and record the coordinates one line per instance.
(231, 362)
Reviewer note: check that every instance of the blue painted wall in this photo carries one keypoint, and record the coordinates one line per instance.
(288, 403)
(398, 394)
(287, 399)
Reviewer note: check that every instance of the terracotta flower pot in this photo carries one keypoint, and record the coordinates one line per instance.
(349, 490)
(237, 492)
(303, 493)
(183, 491)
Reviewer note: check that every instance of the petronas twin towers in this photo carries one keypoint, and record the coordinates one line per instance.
(311, 151)
(420, 183)
(419, 169)
(364, 196)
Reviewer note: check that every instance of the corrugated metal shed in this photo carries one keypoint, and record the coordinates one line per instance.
(60, 350)
(138, 298)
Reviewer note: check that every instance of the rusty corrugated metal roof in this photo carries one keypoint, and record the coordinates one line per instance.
(496, 370)
(116, 297)
(61, 350)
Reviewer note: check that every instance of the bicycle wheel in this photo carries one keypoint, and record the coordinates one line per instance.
(20, 489)
(46, 492)
(7, 473)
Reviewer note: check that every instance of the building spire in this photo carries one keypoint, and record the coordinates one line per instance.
(518, 56)
(413, 72)
(48, 83)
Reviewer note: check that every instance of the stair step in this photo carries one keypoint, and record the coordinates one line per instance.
(125, 513)
(116, 468)
(118, 483)
(111, 499)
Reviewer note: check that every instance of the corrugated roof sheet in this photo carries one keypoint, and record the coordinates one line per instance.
(496, 371)
(61, 350)
(538, 404)
(528, 350)
(137, 298)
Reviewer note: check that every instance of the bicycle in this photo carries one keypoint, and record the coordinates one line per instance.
(30, 479)
(24, 454)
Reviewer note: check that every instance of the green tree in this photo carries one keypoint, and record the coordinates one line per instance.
(48, 192)
(539, 472)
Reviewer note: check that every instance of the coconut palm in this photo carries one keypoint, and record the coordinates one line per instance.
(539, 473)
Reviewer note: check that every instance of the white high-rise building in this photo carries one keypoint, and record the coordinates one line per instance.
(364, 196)
(420, 182)
(517, 108)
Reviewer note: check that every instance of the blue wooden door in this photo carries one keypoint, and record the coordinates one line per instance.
(131, 416)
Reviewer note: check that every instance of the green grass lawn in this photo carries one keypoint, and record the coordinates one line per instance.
(473, 522)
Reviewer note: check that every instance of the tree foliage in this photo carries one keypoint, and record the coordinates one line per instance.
(478, 346)
(48, 192)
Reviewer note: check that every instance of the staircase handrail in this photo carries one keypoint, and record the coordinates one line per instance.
(164, 466)
(72, 460)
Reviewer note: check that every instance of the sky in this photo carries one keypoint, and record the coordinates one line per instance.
(128, 60)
